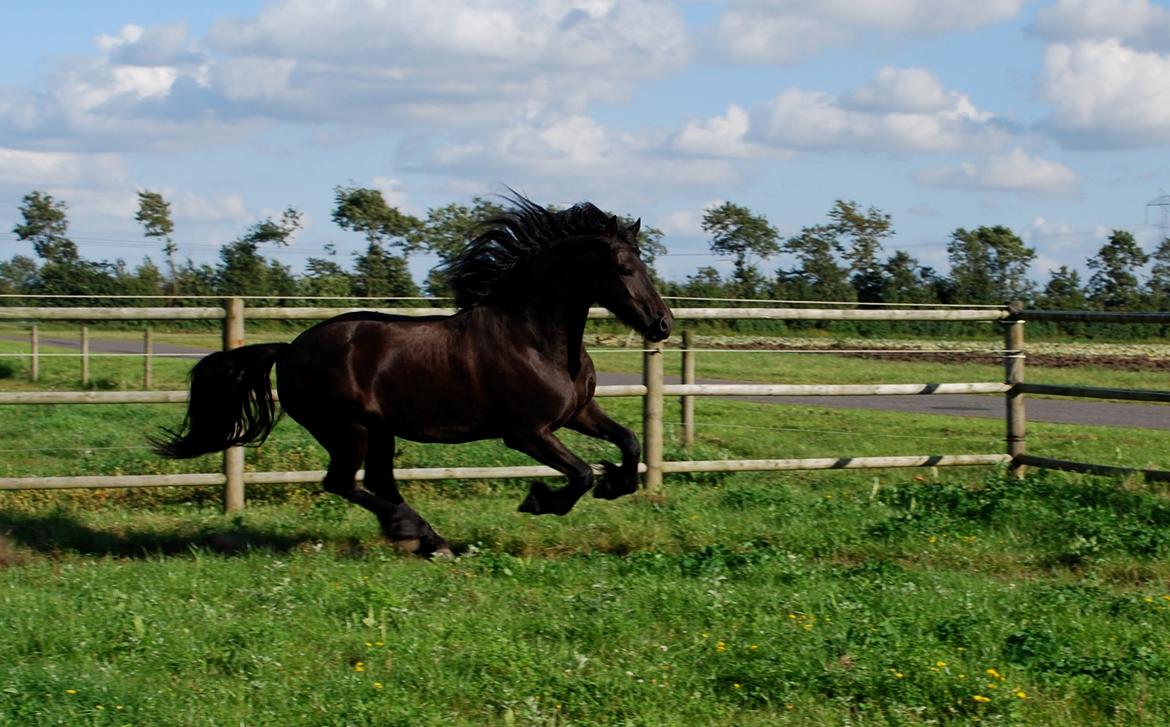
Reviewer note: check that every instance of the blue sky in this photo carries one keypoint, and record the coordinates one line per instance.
(1052, 117)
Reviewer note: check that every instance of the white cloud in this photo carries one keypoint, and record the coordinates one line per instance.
(197, 208)
(784, 31)
(575, 156)
(392, 192)
(1014, 172)
(1140, 23)
(431, 57)
(1105, 94)
(901, 90)
(408, 63)
(722, 136)
(880, 116)
(688, 223)
(40, 169)
(902, 110)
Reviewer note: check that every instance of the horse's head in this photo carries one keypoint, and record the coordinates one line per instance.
(624, 285)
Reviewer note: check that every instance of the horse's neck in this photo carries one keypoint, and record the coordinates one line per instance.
(554, 320)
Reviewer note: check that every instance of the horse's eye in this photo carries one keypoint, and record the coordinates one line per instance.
(625, 270)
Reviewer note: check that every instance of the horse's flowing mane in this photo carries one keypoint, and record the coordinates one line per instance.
(513, 236)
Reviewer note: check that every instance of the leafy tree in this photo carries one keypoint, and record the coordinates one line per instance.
(243, 271)
(1114, 283)
(1158, 284)
(154, 214)
(46, 226)
(447, 230)
(18, 275)
(904, 280)
(818, 275)
(378, 274)
(1063, 291)
(366, 211)
(863, 232)
(738, 232)
(325, 277)
(704, 283)
(196, 281)
(989, 265)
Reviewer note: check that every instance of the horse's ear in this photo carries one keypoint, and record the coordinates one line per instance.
(635, 228)
(611, 226)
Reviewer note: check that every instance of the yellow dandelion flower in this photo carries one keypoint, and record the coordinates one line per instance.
(359, 666)
(1021, 694)
(98, 707)
(981, 699)
(71, 691)
(720, 646)
(377, 685)
(737, 686)
(940, 664)
(994, 674)
(898, 675)
(753, 647)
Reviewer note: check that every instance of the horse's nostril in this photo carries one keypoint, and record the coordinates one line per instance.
(664, 324)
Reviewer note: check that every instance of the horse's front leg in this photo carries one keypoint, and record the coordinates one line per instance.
(548, 450)
(592, 421)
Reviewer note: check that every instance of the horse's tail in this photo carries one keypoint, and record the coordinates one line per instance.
(230, 404)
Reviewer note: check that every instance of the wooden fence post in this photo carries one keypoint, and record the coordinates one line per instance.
(1013, 364)
(688, 377)
(233, 457)
(652, 445)
(147, 359)
(35, 364)
(85, 355)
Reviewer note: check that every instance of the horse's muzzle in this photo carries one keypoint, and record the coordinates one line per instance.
(659, 330)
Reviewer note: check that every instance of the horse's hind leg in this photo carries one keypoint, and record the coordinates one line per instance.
(402, 525)
(547, 449)
(347, 447)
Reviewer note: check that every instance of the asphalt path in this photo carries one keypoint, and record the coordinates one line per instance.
(1062, 411)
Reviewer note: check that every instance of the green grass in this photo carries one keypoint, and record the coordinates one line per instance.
(867, 598)
(755, 600)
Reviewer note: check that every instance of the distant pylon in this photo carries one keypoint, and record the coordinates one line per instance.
(1159, 209)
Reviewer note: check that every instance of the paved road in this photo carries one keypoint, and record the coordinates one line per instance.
(1064, 411)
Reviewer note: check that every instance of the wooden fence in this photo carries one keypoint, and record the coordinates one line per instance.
(653, 390)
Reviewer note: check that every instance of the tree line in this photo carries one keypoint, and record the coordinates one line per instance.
(841, 259)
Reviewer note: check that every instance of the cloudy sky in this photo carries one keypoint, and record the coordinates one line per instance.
(1051, 117)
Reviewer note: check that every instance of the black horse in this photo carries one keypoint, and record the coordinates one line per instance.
(510, 364)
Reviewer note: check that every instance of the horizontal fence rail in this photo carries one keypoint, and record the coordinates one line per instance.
(830, 389)
(653, 390)
(286, 313)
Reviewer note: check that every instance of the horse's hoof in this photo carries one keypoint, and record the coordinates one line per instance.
(536, 501)
(542, 500)
(409, 545)
(614, 483)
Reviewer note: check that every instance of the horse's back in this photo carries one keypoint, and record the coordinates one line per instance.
(378, 367)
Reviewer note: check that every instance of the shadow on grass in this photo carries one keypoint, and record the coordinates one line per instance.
(60, 532)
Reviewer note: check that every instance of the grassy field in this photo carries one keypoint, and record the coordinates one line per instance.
(863, 598)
